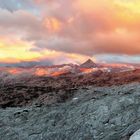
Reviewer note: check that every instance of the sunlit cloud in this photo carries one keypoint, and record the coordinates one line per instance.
(52, 24)
(68, 31)
(16, 50)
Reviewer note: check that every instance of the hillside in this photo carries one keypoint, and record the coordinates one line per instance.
(21, 91)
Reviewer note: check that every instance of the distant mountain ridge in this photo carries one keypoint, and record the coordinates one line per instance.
(88, 64)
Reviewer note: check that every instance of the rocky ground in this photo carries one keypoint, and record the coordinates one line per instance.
(24, 91)
(89, 113)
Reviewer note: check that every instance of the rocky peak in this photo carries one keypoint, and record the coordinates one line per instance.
(88, 64)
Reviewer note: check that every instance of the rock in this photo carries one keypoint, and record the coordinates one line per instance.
(136, 135)
(109, 117)
(88, 64)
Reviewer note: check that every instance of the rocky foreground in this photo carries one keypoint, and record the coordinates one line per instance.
(91, 113)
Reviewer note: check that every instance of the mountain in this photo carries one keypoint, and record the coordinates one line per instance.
(88, 64)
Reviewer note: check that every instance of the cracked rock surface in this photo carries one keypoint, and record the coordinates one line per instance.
(93, 113)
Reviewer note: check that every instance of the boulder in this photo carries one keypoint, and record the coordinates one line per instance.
(136, 135)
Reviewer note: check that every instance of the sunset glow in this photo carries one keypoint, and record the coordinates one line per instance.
(69, 69)
(87, 70)
(16, 50)
(41, 72)
(68, 31)
(52, 24)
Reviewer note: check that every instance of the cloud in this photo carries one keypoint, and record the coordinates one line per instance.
(79, 27)
(91, 27)
(14, 5)
(117, 58)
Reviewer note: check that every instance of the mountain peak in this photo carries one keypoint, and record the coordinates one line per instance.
(88, 64)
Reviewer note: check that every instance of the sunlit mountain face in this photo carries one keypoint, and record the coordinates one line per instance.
(88, 67)
(57, 32)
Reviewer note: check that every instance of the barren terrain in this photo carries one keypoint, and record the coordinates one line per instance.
(88, 102)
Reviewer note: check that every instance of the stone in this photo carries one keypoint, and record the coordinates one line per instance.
(136, 135)
(110, 117)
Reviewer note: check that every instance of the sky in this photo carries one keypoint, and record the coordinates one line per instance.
(69, 31)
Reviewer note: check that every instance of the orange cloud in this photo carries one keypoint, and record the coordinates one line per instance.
(69, 30)
(52, 24)
(16, 50)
